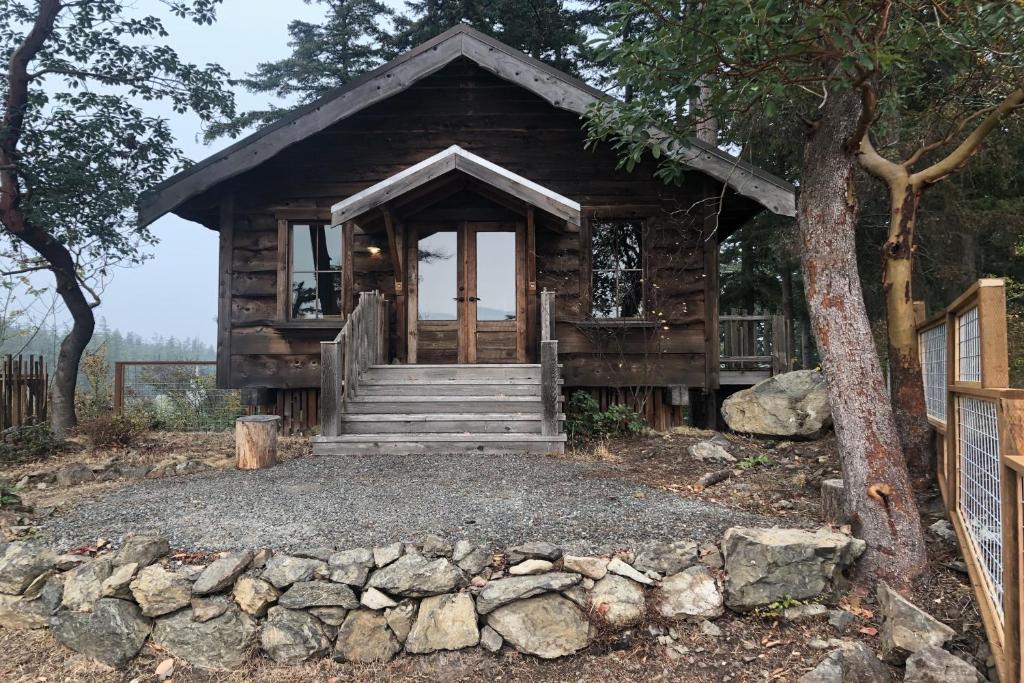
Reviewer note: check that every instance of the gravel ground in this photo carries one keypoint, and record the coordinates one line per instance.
(344, 502)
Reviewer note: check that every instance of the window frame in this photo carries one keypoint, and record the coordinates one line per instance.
(587, 270)
(286, 272)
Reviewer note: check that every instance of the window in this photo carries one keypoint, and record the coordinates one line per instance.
(315, 271)
(617, 268)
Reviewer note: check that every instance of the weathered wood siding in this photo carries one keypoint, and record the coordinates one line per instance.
(465, 105)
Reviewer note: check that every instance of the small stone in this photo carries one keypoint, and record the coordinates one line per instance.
(221, 574)
(666, 558)
(692, 593)
(401, 618)
(445, 622)
(932, 664)
(849, 662)
(385, 555)
(530, 567)
(164, 669)
(547, 626)
(490, 639)
(292, 636)
(536, 550)
(841, 620)
(374, 599)
(365, 637)
(478, 582)
(159, 591)
(332, 616)
(435, 546)
(709, 629)
(475, 560)
(590, 567)
(116, 585)
(504, 591)
(254, 596)
(204, 609)
(314, 553)
(706, 451)
(144, 549)
(804, 612)
(318, 594)
(260, 558)
(617, 566)
(284, 570)
(74, 474)
(618, 600)
(20, 564)
(415, 576)
(944, 530)
(711, 556)
(83, 585)
(112, 633)
(906, 628)
(818, 644)
(351, 567)
(68, 561)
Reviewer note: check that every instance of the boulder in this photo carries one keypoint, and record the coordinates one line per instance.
(617, 566)
(618, 600)
(74, 474)
(351, 567)
(365, 637)
(112, 633)
(292, 636)
(666, 558)
(385, 555)
(547, 626)
(445, 622)
(690, 594)
(786, 405)
(502, 592)
(116, 585)
(766, 565)
(435, 546)
(144, 549)
(83, 585)
(849, 663)
(401, 618)
(707, 451)
(284, 570)
(159, 591)
(20, 564)
(204, 609)
(530, 567)
(590, 567)
(17, 612)
(932, 664)
(318, 594)
(539, 550)
(415, 576)
(254, 596)
(906, 628)
(222, 643)
(221, 573)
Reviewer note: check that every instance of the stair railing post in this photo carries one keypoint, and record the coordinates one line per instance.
(549, 386)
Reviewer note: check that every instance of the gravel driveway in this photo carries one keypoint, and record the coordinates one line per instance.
(345, 502)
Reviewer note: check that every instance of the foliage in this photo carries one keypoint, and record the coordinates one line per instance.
(8, 498)
(95, 397)
(179, 398)
(585, 421)
(28, 442)
(752, 461)
(777, 607)
(106, 430)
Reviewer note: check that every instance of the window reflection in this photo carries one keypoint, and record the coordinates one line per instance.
(438, 276)
(316, 271)
(617, 267)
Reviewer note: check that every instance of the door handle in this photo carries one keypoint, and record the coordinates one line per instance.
(473, 298)
(459, 299)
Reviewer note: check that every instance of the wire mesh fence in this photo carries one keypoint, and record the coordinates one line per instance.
(980, 506)
(969, 339)
(175, 395)
(933, 368)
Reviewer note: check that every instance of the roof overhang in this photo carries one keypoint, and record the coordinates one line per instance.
(456, 159)
(554, 86)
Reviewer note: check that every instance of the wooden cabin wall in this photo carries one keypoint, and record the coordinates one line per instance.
(465, 105)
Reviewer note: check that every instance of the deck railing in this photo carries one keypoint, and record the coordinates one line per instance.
(759, 344)
(979, 423)
(361, 343)
(550, 389)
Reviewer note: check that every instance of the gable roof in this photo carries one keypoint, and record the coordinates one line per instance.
(560, 89)
(456, 159)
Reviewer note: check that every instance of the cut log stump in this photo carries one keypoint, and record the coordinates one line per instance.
(256, 441)
(832, 501)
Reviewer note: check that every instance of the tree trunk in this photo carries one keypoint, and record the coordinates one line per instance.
(878, 498)
(907, 385)
(787, 315)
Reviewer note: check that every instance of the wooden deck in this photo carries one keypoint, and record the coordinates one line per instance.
(755, 346)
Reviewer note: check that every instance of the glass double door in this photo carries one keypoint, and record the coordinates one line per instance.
(470, 293)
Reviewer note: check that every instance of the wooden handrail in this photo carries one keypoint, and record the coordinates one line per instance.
(361, 343)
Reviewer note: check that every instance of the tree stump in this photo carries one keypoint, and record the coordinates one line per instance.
(256, 441)
(832, 501)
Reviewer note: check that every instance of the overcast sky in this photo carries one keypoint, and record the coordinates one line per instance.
(175, 293)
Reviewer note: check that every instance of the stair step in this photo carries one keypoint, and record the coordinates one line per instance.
(443, 404)
(420, 443)
(442, 423)
(449, 388)
(454, 372)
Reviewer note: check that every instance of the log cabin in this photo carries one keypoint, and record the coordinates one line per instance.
(431, 258)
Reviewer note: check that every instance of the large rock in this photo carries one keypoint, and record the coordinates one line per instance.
(112, 633)
(849, 663)
(690, 594)
(221, 574)
(471, 559)
(16, 611)
(292, 636)
(766, 565)
(116, 585)
(401, 618)
(74, 474)
(221, 643)
(445, 622)
(415, 576)
(501, 592)
(351, 567)
(790, 404)
(20, 564)
(159, 591)
(83, 585)
(710, 452)
(318, 594)
(284, 570)
(932, 664)
(547, 626)
(255, 596)
(590, 567)
(144, 549)
(365, 637)
(666, 558)
(618, 600)
(534, 550)
(906, 628)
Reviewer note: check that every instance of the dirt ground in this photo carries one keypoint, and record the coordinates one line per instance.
(782, 479)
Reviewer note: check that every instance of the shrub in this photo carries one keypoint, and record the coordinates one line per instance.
(28, 442)
(112, 430)
(95, 396)
(8, 498)
(585, 421)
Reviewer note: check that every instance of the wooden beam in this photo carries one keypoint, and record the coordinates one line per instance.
(532, 324)
(225, 270)
(396, 256)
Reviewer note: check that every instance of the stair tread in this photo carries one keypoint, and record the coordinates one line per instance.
(443, 399)
(439, 417)
(413, 366)
(370, 380)
(443, 436)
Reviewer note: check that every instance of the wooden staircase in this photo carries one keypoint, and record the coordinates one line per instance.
(486, 409)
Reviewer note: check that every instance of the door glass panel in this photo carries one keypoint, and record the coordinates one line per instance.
(438, 276)
(496, 275)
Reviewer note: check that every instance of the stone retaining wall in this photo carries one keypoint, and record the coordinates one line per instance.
(370, 604)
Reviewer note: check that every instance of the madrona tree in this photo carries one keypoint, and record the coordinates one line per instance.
(77, 145)
(738, 62)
